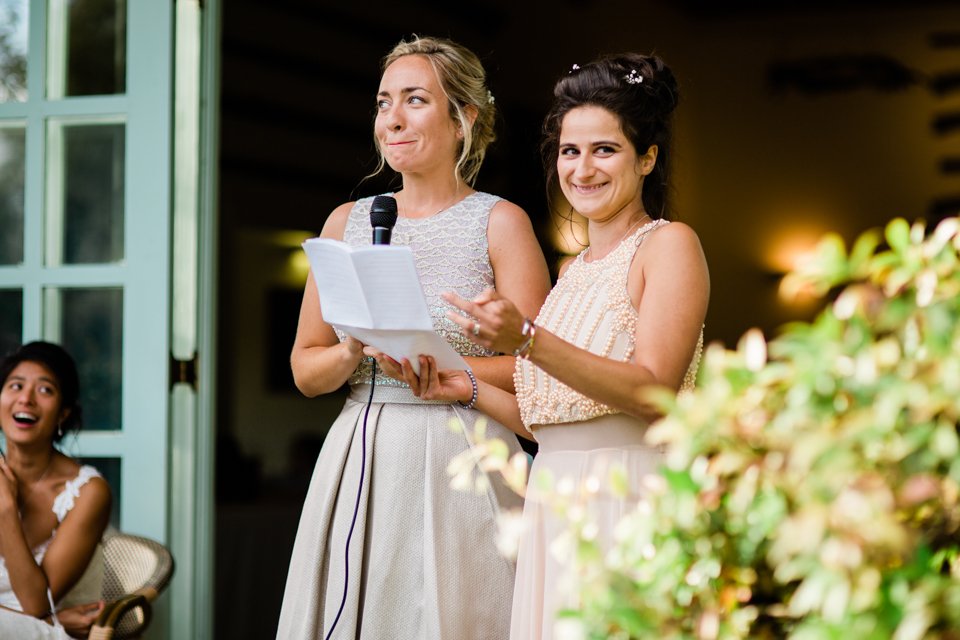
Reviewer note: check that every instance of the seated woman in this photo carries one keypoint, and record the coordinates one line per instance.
(53, 510)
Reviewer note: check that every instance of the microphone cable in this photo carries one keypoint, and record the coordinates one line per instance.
(356, 507)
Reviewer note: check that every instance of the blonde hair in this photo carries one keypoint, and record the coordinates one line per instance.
(464, 83)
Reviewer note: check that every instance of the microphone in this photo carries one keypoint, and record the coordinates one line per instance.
(383, 215)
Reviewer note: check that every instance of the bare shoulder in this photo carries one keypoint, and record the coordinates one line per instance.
(96, 493)
(507, 217)
(337, 222)
(672, 238)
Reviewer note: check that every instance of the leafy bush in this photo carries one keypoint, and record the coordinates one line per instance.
(811, 484)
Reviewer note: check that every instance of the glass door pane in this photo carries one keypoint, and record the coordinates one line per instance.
(88, 322)
(12, 160)
(13, 50)
(11, 319)
(88, 53)
(85, 192)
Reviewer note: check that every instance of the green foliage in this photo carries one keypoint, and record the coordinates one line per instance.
(812, 482)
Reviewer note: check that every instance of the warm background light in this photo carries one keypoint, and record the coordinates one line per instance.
(789, 245)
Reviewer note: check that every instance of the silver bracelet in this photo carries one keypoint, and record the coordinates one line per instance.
(529, 332)
(473, 398)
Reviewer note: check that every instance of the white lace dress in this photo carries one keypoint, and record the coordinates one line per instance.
(88, 588)
(422, 556)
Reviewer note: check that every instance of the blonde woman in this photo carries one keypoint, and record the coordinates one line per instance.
(385, 549)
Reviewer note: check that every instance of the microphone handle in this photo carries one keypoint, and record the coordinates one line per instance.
(381, 235)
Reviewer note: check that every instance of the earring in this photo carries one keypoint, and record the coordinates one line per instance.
(60, 430)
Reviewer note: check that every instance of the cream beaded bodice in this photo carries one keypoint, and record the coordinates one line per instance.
(451, 254)
(589, 307)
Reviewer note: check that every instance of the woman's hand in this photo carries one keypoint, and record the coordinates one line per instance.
(498, 322)
(9, 488)
(354, 347)
(77, 620)
(387, 365)
(437, 384)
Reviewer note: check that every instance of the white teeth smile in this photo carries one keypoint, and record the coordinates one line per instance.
(24, 417)
(587, 188)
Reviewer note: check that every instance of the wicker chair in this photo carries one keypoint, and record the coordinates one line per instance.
(136, 570)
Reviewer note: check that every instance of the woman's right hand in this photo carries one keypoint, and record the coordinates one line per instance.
(491, 320)
(9, 488)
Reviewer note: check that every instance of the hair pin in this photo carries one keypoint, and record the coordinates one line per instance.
(575, 67)
(633, 77)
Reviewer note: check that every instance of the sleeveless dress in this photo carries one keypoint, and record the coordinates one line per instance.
(422, 558)
(580, 440)
(87, 589)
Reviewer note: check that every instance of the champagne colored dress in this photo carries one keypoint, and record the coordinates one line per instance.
(422, 559)
(580, 440)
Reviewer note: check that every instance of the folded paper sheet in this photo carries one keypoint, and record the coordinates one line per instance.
(373, 293)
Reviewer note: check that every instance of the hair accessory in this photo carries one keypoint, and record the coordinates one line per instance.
(575, 67)
(490, 98)
(473, 398)
(633, 77)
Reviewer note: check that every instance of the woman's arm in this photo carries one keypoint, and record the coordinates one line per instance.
(319, 361)
(68, 554)
(456, 386)
(77, 537)
(669, 282)
(520, 273)
(27, 580)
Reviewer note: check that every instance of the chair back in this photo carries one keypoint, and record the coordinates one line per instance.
(133, 565)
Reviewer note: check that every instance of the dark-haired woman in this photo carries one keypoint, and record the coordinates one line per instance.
(53, 510)
(625, 315)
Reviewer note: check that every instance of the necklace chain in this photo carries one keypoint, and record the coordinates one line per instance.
(43, 475)
(450, 203)
(628, 232)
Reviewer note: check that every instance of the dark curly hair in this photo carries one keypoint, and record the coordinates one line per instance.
(64, 369)
(643, 108)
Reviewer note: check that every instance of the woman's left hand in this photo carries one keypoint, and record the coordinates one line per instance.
(497, 325)
(387, 365)
(78, 619)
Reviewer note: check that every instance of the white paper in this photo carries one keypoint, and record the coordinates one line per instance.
(373, 293)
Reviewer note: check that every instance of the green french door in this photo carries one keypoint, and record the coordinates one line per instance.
(99, 201)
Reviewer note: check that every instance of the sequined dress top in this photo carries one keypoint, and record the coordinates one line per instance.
(451, 253)
(589, 307)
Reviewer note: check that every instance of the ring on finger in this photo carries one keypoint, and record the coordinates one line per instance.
(476, 329)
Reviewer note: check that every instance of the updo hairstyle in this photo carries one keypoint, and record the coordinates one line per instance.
(641, 91)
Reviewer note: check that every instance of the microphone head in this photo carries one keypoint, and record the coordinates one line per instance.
(383, 212)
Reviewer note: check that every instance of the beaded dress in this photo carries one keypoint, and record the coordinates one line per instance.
(422, 557)
(580, 440)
